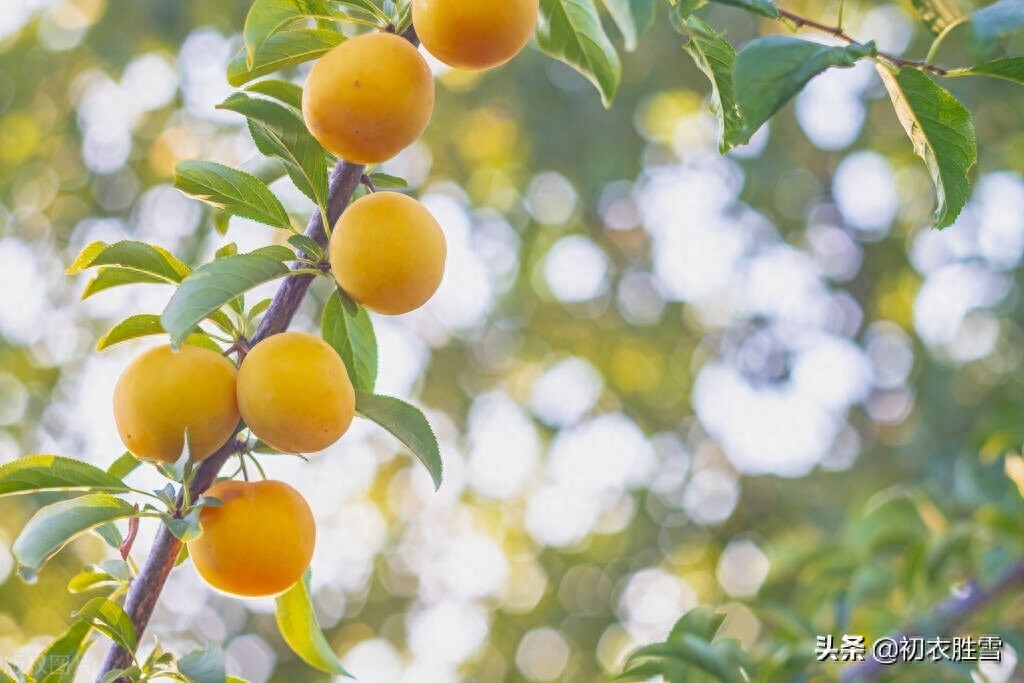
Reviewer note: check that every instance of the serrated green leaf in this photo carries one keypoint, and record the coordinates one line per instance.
(284, 91)
(109, 618)
(281, 51)
(125, 464)
(1008, 68)
(943, 136)
(940, 15)
(383, 181)
(766, 8)
(714, 56)
(571, 31)
(268, 17)
(230, 190)
(204, 666)
(771, 70)
(35, 473)
(140, 256)
(56, 525)
(113, 276)
(279, 132)
(632, 17)
(354, 340)
(408, 424)
(213, 286)
(307, 246)
(299, 628)
(992, 26)
(185, 529)
(144, 325)
(278, 252)
(63, 654)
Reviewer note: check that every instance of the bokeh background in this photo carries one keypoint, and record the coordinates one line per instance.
(659, 375)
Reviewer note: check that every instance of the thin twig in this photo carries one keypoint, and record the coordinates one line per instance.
(947, 616)
(838, 33)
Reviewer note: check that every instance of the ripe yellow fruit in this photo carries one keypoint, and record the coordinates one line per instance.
(294, 393)
(163, 393)
(258, 543)
(474, 35)
(388, 253)
(369, 98)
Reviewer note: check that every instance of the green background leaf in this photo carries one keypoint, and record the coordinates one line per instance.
(34, 473)
(633, 18)
(992, 26)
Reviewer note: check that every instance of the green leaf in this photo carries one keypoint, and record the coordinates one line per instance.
(284, 91)
(214, 285)
(993, 26)
(353, 338)
(232, 191)
(408, 424)
(299, 628)
(109, 618)
(307, 246)
(943, 136)
(281, 51)
(92, 579)
(383, 181)
(62, 655)
(124, 465)
(278, 252)
(939, 15)
(140, 256)
(110, 534)
(204, 666)
(1009, 68)
(633, 17)
(267, 17)
(766, 8)
(35, 473)
(185, 529)
(771, 70)
(571, 31)
(54, 526)
(715, 57)
(695, 652)
(144, 325)
(699, 621)
(279, 132)
(113, 276)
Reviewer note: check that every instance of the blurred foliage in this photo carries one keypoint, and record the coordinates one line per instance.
(863, 547)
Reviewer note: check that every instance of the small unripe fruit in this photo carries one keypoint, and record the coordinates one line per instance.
(369, 98)
(388, 253)
(258, 543)
(163, 393)
(294, 393)
(474, 35)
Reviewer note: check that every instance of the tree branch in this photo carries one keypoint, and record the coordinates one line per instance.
(946, 617)
(146, 587)
(839, 33)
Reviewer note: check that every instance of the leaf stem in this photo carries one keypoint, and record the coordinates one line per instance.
(840, 34)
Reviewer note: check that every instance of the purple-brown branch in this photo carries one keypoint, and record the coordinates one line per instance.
(945, 618)
(145, 588)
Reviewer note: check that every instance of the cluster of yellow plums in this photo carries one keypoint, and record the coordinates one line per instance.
(365, 101)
